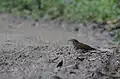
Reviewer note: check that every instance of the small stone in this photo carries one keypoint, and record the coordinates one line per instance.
(112, 34)
(60, 64)
(55, 77)
(76, 29)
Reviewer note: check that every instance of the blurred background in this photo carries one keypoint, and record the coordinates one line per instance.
(75, 11)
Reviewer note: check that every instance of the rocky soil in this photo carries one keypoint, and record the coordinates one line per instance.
(40, 50)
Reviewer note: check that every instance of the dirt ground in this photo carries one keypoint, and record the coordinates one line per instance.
(34, 49)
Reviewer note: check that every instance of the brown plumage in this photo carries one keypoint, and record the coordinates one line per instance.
(78, 45)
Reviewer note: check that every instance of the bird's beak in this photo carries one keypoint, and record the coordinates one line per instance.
(69, 40)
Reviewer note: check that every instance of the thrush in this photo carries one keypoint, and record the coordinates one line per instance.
(79, 45)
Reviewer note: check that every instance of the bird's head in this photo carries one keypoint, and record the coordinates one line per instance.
(74, 41)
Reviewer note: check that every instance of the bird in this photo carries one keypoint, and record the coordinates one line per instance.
(79, 45)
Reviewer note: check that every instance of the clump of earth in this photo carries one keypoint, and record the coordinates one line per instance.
(57, 61)
(40, 50)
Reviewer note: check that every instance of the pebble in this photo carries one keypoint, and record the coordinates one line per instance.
(55, 77)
